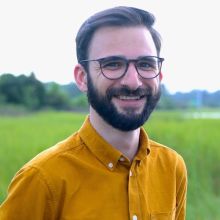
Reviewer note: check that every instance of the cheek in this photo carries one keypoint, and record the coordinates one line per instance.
(102, 84)
(154, 84)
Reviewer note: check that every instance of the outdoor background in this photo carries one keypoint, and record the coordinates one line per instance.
(34, 116)
(41, 105)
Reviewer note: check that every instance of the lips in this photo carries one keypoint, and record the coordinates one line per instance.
(125, 94)
(127, 98)
(129, 102)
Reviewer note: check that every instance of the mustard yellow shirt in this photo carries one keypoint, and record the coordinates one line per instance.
(85, 178)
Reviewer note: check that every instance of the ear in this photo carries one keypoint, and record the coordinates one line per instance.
(161, 76)
(80, 77)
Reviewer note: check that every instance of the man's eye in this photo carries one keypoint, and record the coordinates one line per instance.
(114, 64)
(147, 65)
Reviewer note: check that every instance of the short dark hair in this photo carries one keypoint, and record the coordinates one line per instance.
(118, 16)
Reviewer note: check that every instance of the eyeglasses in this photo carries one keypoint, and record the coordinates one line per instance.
(115, 67)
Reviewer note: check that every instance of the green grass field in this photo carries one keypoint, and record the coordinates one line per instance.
(197, 140)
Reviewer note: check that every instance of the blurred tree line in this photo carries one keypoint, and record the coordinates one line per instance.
(32, 94)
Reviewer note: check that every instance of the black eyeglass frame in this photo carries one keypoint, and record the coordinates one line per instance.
(127, 61)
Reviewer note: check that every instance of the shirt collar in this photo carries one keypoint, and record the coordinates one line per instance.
(144, 145)
(106, 153)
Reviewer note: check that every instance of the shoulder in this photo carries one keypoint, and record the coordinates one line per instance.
(166, 157)
(55, 153)
(158, 149)
(51, 168)
(55, 161)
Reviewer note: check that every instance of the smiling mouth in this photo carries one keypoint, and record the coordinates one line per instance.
(127, 98)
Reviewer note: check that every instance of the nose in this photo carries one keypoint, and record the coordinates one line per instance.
(131, 79)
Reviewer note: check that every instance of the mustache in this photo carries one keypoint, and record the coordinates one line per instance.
(125, 91)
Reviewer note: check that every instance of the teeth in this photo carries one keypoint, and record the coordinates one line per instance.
(129, 97)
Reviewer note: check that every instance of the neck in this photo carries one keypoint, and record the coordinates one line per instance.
(126, 142)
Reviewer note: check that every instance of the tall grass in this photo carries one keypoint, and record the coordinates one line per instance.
(196, 140)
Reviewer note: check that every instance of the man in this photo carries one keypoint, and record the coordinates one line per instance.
(109, 169)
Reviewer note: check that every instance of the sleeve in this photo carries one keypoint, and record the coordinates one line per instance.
(29, 197)
(181, 190)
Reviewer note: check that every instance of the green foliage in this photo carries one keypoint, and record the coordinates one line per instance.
(71, 90)
(56, 98)
(80, 102)
(24, 90)
(196, 99)
(35, 95)
(10, 88)
(166, 101)
(31, 93)
(197, 140)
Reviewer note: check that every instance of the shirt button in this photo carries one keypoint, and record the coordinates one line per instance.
(110, 165)
(130, 173)
(122, 159)
(134, 217)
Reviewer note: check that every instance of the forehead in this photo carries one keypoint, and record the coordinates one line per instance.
(130, 42)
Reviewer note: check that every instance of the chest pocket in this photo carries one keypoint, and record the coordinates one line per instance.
(163, 216)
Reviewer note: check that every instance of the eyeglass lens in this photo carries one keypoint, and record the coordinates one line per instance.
(116, 67)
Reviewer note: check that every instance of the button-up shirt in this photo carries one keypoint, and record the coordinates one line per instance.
(85, 178)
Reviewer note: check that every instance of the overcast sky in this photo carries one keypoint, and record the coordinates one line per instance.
(39, 36)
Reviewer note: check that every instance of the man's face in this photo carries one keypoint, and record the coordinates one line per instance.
(125, 103)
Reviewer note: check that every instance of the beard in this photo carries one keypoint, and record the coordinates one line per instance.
(129, 120)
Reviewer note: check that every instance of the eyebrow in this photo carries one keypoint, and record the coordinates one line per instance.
(123, 57)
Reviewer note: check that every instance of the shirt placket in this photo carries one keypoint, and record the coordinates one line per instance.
(133, 191)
